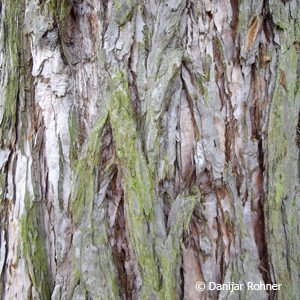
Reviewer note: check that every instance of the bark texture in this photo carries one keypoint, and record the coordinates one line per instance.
(148, 145)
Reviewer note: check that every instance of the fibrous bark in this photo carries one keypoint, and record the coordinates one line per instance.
(147, 146)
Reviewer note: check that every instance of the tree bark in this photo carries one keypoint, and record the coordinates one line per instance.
(147, 146)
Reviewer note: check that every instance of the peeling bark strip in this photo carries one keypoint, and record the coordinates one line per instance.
(147, 146)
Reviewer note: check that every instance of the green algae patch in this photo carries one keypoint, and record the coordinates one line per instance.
(93, 271)
(33, 249)
(11, 46)
(83, 192)
(123, 10)
(178, 222)
(138, 184)
(59, 9)
(283, 207)
(157, 259)
(75, 138)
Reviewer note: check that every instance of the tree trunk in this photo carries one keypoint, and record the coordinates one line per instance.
(147, 146)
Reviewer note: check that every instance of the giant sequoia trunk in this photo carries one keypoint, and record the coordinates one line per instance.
(149, 145)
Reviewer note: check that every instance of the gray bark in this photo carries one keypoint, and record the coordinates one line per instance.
(147, 146)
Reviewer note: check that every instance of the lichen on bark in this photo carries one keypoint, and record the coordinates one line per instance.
(148, 145)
